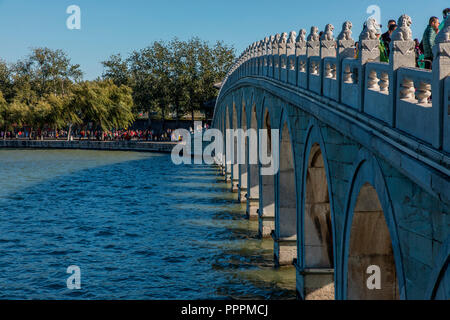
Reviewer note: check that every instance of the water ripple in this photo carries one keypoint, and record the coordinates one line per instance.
(137, 226)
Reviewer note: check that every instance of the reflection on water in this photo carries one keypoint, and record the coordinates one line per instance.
(137, 226)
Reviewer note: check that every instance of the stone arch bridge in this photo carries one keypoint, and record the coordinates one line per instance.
(364, 160)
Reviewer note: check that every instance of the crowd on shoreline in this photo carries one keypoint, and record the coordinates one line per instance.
(167, 135)
(95, 135)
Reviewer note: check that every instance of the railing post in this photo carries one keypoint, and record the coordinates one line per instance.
(258, 54)
(402, 54)
(369, 51)
(312, 50)
(441, 70)
(282, 47)
(346, 49)
(276, 56)
(265, 57)
(290, 58)
(327, 49)
(270, 56)
(254, 59)
(300, 54)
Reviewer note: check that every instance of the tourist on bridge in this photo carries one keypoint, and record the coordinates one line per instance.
(429, 38)
(386, 37)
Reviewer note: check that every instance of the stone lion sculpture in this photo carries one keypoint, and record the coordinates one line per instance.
(276, 40)
(301, 35)
(271, 41)
(283, 38)
(403, 32)
(370, 30)
(328, 34)
(292, 37)
(314, 35)
(346, 33)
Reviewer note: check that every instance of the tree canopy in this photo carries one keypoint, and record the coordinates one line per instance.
(175, 77)
(45, 90)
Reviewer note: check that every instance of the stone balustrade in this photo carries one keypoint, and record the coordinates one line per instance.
(406, 98)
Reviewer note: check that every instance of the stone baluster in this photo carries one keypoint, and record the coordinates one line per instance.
(423, 92)
(441, 70)
(328, 70)
(384, 82)
(407, 91)
(373, 81)
(348, 74)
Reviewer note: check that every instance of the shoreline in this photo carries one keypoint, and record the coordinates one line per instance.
(138, 146)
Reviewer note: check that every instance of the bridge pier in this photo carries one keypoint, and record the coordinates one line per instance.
(285, 249)
(242, 194)
(266, 222)
(315, 283)
(252, 208)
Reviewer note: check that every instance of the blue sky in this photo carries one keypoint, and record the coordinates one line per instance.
(118, 26)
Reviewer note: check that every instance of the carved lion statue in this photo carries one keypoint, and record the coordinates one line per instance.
(403, 32)
(283, 38)
(276, 39)
(301, 35)
(271, 41)
(328, 34)
(314, 35)
(370, 30)
(346, 33)
(292, 37)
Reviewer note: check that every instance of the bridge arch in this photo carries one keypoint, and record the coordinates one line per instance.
(266, 183)
(285, 233)
(370, 236)
(317, 233)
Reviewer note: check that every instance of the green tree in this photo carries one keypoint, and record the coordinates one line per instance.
(116, 69)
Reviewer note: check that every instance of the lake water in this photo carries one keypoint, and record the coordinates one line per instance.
(138, 227)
